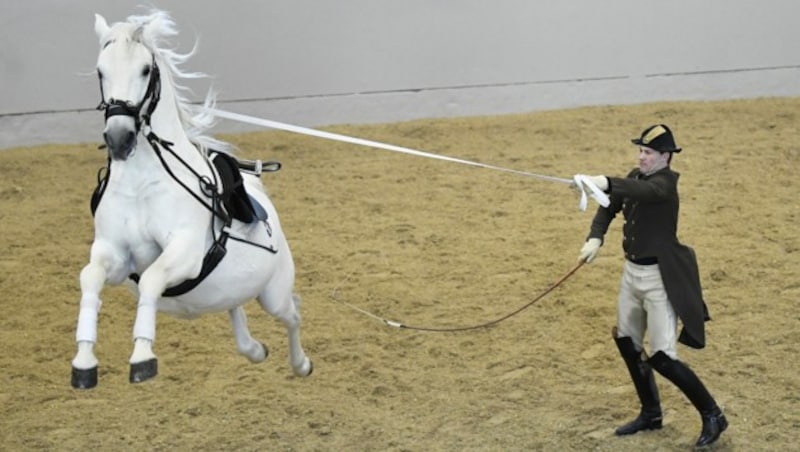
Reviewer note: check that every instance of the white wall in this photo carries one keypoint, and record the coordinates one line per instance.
(317, 63)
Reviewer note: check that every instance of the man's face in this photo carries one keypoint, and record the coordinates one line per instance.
(651, 161)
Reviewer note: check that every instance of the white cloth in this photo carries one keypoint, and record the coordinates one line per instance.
(585, 184)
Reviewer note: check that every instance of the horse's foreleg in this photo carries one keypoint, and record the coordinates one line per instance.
(84, 365)
(175, 264)
(144, 364)
(254, 351)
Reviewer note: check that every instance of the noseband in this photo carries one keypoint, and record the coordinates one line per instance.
(116, 107)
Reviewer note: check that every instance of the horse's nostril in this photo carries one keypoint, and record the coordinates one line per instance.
(129, 139)
(108, 139)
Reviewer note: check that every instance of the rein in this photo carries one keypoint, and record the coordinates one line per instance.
(395, 324)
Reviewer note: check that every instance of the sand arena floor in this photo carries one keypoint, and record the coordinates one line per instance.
(427, 243)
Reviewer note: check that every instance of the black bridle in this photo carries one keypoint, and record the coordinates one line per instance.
(116, 107)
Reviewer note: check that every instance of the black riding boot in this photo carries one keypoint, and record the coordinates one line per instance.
(643, 379)
(714, 422)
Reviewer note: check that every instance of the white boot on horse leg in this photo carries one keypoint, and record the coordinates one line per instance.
(286, 310)
(144, 364)
(255, 351)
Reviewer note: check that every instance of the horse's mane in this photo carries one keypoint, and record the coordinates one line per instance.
(153, 31)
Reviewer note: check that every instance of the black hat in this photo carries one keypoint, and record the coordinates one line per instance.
(658, 138)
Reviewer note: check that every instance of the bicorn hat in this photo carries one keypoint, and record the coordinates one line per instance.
(658, 138)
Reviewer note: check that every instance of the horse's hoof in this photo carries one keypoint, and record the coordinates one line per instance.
(84, 378)
(266, 351)
(144, 370)
(301, 373)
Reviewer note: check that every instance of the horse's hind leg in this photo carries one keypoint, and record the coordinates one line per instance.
(283, 304)
(254, 351)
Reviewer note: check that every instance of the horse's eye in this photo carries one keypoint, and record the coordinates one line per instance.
(146, 71)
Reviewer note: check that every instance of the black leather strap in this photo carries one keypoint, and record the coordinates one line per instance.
(644, 260)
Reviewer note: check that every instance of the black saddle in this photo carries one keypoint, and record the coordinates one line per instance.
(235, 199)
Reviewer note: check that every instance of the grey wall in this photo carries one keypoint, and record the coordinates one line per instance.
(316, 63)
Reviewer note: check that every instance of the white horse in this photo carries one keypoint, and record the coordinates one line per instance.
(161, 219)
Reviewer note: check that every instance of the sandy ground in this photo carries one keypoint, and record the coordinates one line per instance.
(425, 243)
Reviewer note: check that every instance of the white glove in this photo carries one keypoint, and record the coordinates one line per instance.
(600, 181)
(590, 250)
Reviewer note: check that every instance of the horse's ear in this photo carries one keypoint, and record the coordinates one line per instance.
(101, 27)
(138, 34)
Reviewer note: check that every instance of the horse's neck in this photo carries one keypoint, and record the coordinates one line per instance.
(166, 125)
(166, 120)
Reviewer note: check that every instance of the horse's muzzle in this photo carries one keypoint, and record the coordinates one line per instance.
(120, 138)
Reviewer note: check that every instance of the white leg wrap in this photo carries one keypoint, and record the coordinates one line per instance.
(87, 319)
(145, 326)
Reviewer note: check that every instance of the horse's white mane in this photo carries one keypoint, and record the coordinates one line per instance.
(153, 31)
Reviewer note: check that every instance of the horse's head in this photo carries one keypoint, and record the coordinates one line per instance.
(129, 83)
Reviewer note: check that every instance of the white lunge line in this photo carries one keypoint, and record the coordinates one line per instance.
(370, 143)
(390, 147)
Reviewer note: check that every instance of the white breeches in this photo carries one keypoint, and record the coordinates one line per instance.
(643, 306)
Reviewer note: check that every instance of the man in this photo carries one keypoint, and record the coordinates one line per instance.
(660, 283)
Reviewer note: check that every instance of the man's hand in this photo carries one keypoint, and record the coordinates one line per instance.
(590, 250)
(600, 181)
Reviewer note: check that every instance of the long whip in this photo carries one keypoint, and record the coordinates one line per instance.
(400, 325)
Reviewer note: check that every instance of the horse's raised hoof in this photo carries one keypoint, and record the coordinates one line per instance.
(144, 370)
(84, 378)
